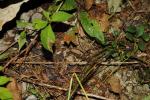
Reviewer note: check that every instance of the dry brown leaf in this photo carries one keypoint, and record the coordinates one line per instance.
(117, 24)
(8, 13)
(88, 4)
(14, 89)
(44, 77)
(69, 38)
(114, 5)
(123, 97)
(99, 14)
(80, 31)
(146, 6)
(115, 84)
(104, 22)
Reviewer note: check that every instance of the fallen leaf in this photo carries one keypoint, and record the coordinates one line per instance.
(44, 77)
(114, 5)
(104, 22)
(146, 5)
(1, 24)
(80, 31)
(9, 13)
(13, 87)
(123, 97)
(70, 35)
(117, 24)
(100, 15)
(88, 4)
(68, 38)
(115, 84)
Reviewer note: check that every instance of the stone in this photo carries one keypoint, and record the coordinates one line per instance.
(31, 97)
(36, 16)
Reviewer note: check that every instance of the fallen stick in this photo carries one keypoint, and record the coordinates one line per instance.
(76, 63)
(64, 89)
(22, 52)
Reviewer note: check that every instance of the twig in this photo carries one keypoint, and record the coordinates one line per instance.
(17, 76)
(76, 63)
(51, 63)
(13, 59)
(26, 50)
(31, 44)
(131, 5)
(29, 47)
(8, 47)
(64, 89)
(118, 63)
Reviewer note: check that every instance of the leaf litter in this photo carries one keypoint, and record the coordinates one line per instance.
(48, 75)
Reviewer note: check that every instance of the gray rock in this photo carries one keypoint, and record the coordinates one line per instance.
(26, 16)
(31, 97)
(36, 16)
(2, 45)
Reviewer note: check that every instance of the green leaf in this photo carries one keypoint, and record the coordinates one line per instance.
(140, 30)
(39, 24)
(47, 38)
(22, 24)
(129, 36)
(146, 37)
(4, 56)
(22, 40)
(46, 15)
(146, 98)
(1, 68)
(91, 27)
(33, 91)
(52, 9)
(115, 32)
(60, 16)
(69, 5)
(114, 44)
(4, 80)
(135, 48)
(5, 94)
(141, 45)
(131, 29)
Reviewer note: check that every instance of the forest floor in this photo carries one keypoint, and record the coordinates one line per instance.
(123, 74)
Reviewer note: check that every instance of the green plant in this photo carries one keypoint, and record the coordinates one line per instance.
(58, 12)
(135, 39)
(5, 94)
(80, 84)
(146, 97)
(91, 27)
(35, 91)
(137, 35)
(43, 26)
(116, 48)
